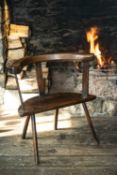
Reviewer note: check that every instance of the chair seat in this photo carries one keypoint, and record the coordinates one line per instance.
(49, 102)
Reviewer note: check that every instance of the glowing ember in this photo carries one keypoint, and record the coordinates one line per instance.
(92, 37)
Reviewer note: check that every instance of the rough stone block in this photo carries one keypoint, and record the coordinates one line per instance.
(110, 107)
(16, 54)
(95, 106)
(19, 30)
(75, 110)
(62, 82)
(14, 43)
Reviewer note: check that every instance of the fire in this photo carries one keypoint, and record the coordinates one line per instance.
(92, 37)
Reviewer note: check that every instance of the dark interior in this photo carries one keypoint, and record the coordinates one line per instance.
(61, 25)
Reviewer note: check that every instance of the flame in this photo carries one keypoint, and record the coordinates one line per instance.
(92, 38)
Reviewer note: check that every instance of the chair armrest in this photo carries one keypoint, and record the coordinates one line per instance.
(15, 66)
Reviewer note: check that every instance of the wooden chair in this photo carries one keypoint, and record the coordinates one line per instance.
(45, 101)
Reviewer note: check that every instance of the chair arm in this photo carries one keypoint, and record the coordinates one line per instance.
(15, 66)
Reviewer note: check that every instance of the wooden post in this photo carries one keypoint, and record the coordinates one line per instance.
(40, 79)
(85, 79)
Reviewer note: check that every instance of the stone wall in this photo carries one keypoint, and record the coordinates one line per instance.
(60, 25)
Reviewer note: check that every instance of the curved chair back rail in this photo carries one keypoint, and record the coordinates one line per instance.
(16, 66)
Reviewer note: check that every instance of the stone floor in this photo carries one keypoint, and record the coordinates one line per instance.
(71, 150)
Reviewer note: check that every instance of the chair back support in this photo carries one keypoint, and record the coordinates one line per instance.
(40, 79)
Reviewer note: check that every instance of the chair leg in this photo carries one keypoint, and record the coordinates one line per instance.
(90, 122)
(25, 127)
(56, 119)
(35, 141)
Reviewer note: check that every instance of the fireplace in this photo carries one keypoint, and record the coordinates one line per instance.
(61, 26)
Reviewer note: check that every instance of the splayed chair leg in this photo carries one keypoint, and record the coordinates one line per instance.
(56, 119)
(90, 122)
(25, 127)
(35, 141)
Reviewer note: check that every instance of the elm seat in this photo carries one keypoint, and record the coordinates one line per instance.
(47, 101)
(40, 104)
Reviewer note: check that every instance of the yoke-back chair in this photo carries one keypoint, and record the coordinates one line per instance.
(45, 101)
